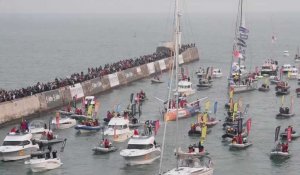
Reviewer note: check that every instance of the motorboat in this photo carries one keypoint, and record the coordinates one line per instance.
(286, 68)
(189, 110)
(193, 151)
(156, 80)
(293, 73)
(279, 154)
(42, 160)
(63, 122)
(264, 88)
(141, 150)
(197, 132)
(282, 88)
(274, 79)
(17, 146)
(204, 84)
(37, 128)
(103, 148)
(240, 88)
(118, 129)
(185, 88)
(285, 113)
(286, 53)
(216, 73)
(200, 73)
(269, 68)
(89, 125)
(240, 145)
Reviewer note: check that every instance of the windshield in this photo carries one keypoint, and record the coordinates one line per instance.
(16, 143)
(139, 146)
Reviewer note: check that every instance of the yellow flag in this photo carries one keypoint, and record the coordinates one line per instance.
(235, 108)
(289, 74)
(231, 93)
(205, 118)
(90, 111)
(207, 105)
(282, 100)
(203, 134)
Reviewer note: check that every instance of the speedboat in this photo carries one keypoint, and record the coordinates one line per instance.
(63, 122)
(286, 68)
(293, 73)
(37, 128)
(216, 73)
(141, 150)
(17, 146)
(185, 112)
(102, 149)
(118, 129)
(269, 68)
(200, 73)
(264, 88)
(284, 113)
(42, 160)
(274, 79)
(204, 84)
(286, 53)
(89, 125)
(185, 88)
(279, 153)
(240, 145)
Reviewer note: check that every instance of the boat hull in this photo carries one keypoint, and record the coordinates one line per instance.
(280, 115)
(64, 123)
(239, 146)
(86, 129)
(40, 165)
(156, 81)
(17, 154)
(264, 89)
(190, 171)
(274, 154)
(120, 137)
(103, 150)
(147, 158)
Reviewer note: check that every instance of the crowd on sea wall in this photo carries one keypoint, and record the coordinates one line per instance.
(81, 77)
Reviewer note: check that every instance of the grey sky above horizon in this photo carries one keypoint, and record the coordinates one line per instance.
(143, 6)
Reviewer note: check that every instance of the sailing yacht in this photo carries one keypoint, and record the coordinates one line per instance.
(186, 165)
(238, 79)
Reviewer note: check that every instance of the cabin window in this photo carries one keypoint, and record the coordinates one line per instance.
(139, 146)
(16, 143)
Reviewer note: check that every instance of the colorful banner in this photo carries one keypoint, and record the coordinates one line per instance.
(249, 123)
(277, 133)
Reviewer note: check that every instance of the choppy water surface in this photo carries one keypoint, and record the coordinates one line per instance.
(40, 48)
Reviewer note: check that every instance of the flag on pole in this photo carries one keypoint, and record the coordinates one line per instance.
(207, 105)
(215, 107)
(289, 134)
(292, 104)
(277, 133)
(249, 123)
(57, 118)
(237, 54)
(156, 127)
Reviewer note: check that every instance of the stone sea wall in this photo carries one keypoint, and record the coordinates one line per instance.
(45, 101)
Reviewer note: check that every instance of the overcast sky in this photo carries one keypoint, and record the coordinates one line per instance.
(142, 6)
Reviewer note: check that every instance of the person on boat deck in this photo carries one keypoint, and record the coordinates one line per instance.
(136, 132)
(234, 140)
(14, 130)
(193, 127)
(287, 110)
(50, 135)
(285, 147)
(200, 147)
(191, 149)
(69, 108)
(24, 126)
(96, 122)
(281, 110)
(240, 139)
(106, 143)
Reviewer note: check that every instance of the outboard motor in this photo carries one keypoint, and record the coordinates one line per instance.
(54, 154)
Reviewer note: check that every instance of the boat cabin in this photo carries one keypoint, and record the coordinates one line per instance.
(118, 123)
(89, 100)
(17, 139)
(141, 142)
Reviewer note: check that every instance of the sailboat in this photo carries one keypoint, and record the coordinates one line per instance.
(297, 56)
(238, 80)
(186, 165)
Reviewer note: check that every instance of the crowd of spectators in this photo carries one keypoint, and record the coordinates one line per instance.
(91, 73)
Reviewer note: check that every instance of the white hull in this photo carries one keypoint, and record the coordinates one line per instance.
(240, 146)
(40, 165)
(64, 123)
(140, 157)
(120, 137)
(242, 88)
(190, 171)
(16, 154)
(279, 154)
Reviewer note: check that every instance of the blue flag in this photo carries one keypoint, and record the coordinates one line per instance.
(215, 107)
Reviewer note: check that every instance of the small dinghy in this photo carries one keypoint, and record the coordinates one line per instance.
(264, 88)
(104, 146)
(83, 128)
(280, 150)
(196, 130)
(239, 145)
(294, 134)
(285, 112)
(204, 84)
(192, 152)
(274, 80)
(156, 80)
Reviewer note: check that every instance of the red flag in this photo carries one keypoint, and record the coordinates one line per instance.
(289, 134)
(248, 125)
(237, 54)
(57, 119)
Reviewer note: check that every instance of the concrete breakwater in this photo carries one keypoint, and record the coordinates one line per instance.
(15, 109)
